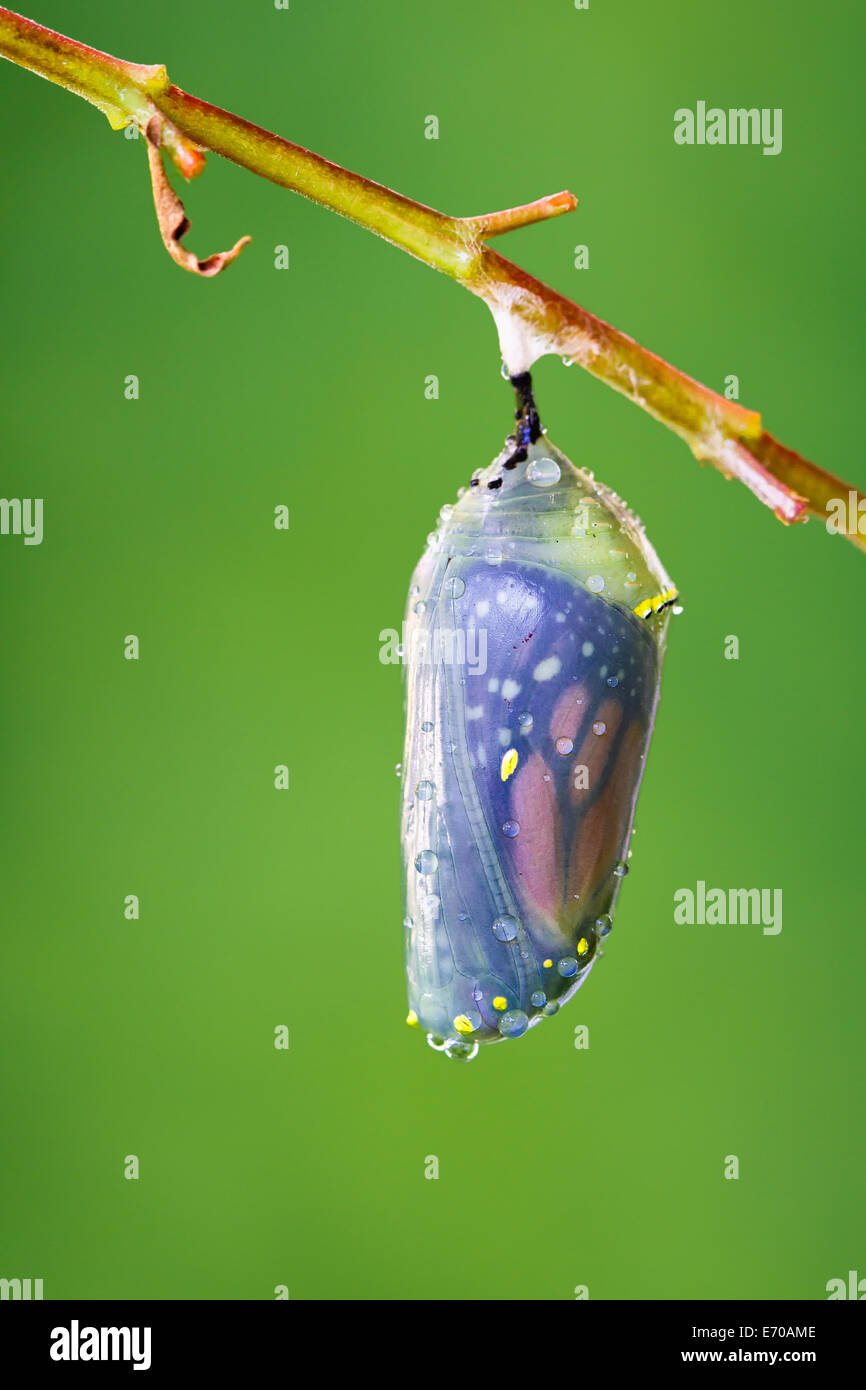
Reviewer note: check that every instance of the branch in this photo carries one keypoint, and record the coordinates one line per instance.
(531, 318)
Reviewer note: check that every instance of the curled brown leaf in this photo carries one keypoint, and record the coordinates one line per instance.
(172, 218)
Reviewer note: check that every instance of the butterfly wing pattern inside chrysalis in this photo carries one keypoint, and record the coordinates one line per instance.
(533, 643)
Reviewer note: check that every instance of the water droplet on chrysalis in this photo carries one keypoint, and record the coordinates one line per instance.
(513, 1023)
(543, 472)
(505, 928)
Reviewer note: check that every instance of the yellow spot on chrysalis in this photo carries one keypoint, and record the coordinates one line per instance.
(548, 963)
(582, 946)
(412, 1019)
(654, 604)
(462, 1024)
(500, 1003)
(508, 764)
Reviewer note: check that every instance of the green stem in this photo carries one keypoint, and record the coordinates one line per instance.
(532, 318)
(421, 231)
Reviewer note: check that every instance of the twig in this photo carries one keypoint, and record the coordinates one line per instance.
(532, 319)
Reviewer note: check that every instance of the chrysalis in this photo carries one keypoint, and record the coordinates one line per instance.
(533, 644)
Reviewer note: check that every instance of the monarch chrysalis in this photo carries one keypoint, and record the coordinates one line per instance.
(534, 636)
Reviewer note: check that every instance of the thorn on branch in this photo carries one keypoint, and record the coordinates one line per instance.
(493, 224)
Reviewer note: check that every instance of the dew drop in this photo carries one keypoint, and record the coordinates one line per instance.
(525, 721)
(427, 727)
(621, 869)
(420, 607)
(511, 828)
(612, 681)
(426, 862)
(564, 746)
(543, 472)
(567, 967)
(505, 928)
(595, 583)
(538, 998)
(551, 1008)
(513, 1023)
(599, 727)
(425, 791)
(604, 924)
(454, 587)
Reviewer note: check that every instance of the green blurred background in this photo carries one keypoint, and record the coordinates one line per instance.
(154, 1037)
